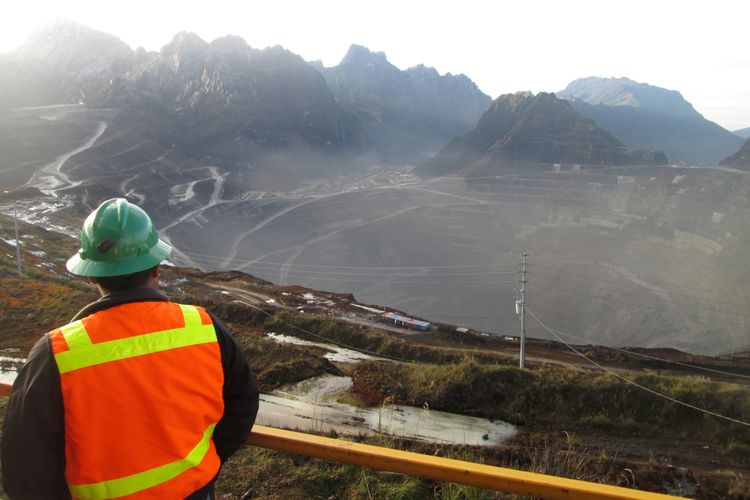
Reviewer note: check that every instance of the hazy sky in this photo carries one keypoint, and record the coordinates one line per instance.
(695, 47)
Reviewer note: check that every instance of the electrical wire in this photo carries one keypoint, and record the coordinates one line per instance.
(656, 358)
(635, 384)
(650, 298)
(372, 273)
(589, 277)
(374, 268)
(320, 337)
(641, 306)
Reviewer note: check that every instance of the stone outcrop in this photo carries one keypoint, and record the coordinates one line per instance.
(523, 129)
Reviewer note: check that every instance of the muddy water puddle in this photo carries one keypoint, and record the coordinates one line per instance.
(335, 354)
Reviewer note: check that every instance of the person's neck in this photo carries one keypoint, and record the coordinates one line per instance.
(103, 292)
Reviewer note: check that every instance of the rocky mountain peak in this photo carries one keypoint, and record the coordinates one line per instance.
(626, 92)
(70, 46)
(525, 129)
(514, 102)
(650, 117)
(357, 55)
(186, 44)
(230, 44)
(406, 114)
(424, 71)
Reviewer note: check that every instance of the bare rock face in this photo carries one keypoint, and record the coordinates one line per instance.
(740, 159)
(624, 92)
(522, 129)
(70, 47)
(227, 91)
(60, 63)
(649, 117)
(223, 100)
(406, 114)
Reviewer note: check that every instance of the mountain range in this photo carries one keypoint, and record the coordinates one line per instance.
(404, 112)
(526, 129)
(648, 117)
(241, 107)
(268, 114)
(224, 99)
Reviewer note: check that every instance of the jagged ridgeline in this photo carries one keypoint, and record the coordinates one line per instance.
(649, 117)
(227, 102)
(222, 100)
(406, 114)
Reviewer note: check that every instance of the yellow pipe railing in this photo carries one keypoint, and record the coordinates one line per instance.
(431, 467)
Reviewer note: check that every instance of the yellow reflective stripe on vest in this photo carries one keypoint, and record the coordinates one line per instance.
(115, 488)
(75, 335)
(191, 315)
(83, 354)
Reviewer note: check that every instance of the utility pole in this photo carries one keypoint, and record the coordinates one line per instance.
(522, 306)
(18, 243)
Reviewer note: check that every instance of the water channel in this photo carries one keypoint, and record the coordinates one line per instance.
(312, 405)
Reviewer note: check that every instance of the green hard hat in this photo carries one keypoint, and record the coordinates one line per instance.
(118, 238)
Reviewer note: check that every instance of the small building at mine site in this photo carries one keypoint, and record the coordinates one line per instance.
(404, 321)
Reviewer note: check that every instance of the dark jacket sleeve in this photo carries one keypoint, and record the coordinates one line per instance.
(240, 395)
(33, 441)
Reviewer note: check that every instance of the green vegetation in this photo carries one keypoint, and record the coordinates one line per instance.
(260, 473)
(25, 320)
(565, 397)
(275, 365)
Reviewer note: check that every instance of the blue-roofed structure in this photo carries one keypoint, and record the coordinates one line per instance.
(407, 322)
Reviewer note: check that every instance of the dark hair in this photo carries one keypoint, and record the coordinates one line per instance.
(125, 281)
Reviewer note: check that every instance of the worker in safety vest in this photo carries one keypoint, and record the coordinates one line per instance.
(137, 397)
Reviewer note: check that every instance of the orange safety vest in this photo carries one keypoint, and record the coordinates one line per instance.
(142, 392)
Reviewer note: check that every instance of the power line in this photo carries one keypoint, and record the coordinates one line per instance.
(646, 297)
(392, 280)
(415, 274)
(576, 292)
(336, 342)
(451, 316)
(635, 384)
(374, 268)
(648, 356)
(311, 268)
(522, 305)
(565, 271)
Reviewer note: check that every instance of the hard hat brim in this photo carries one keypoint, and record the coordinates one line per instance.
(99, 269)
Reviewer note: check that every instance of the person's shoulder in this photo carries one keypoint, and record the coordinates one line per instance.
(42, 348)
